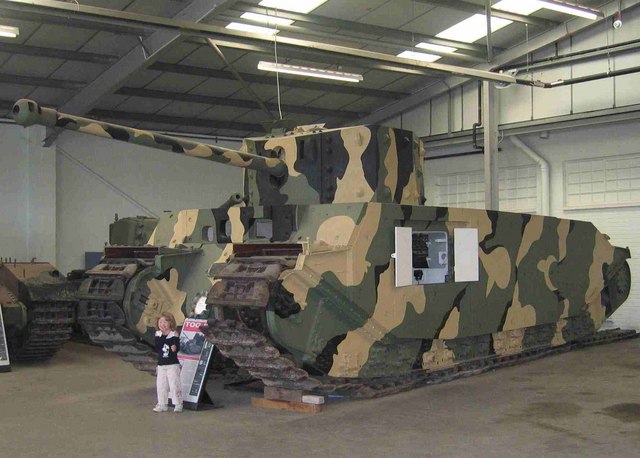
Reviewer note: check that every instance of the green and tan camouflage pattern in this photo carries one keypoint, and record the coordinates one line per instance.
(27, 112)
(131, 230)
(542, 283)
(351, 164)
(178, 277)
(338, 196)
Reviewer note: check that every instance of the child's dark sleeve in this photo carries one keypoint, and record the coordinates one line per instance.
(157, 344)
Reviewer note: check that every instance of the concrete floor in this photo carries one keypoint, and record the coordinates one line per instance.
(86, 402)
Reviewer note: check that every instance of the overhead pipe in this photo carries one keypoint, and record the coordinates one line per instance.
(577, 56)
(544, 172)
(580, 79)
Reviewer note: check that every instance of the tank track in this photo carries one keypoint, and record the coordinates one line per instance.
(252, 351)
(49, 328)
(101, 315)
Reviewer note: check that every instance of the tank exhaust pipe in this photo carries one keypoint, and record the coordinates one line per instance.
(28, 113)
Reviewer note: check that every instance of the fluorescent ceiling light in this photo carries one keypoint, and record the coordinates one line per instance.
(568, 8)
(436, 48)
(251, 28)
(299, 6)
(265, 19)
(473, 28)
(525, 7)
(8, 31)
(308, 71)
(419, 56)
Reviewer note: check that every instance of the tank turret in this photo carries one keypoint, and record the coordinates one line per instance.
(316, 166)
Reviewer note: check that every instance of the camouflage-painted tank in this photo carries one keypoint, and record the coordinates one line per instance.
(131, 230)
(38, 305)
(334, 275)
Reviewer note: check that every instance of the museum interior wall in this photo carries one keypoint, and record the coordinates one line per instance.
(57, 203)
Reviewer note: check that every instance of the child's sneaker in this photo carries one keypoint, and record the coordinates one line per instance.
(160, 408)
(178, 408)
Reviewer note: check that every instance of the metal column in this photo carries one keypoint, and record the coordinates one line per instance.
(490, 127)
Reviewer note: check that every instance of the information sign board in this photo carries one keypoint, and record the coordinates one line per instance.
(5, 364)
(194, 355)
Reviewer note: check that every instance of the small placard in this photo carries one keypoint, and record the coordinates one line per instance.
(403, 256)
(465, 247)
(194, 355)
(5, 364)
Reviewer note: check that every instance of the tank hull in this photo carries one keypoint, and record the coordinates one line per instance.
(541, 282)
(39, 308)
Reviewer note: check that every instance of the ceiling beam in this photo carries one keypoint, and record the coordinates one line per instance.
(176, 120)
(78, 23)
(405, 37)
(312, 55)
(269, 80)
(479, 9)
(225, 101)
(547, 38)
(44, 82)
(139, 57)
(389, 45)
(27, 50)
(209, 31)
(122, 116)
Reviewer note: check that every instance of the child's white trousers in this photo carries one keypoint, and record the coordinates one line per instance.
(169, 377)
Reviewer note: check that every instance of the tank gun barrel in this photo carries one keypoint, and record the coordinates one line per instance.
(27, 113)
(234, 199)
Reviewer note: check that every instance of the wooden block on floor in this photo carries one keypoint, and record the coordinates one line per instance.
(312, 399)
(286, 405)
(282, 394)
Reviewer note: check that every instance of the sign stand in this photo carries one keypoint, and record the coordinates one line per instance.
(5, 364)
(194, 355)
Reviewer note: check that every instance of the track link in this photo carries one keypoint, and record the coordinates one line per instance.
(49, 327)
(252, 351)
(101, 315)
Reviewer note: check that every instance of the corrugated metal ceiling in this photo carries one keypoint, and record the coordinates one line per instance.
(187, 88)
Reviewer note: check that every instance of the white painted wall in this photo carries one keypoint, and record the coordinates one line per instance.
(56, 203)
(456, 110)
(566, 145)
(27, 195)
(98, 178)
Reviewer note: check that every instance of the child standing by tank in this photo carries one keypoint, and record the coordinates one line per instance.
(168, 372)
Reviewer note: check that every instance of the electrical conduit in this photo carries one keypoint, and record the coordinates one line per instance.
(544, 171)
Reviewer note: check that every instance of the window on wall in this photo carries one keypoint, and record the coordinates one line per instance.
(602, 182)
(465, 190)
(518, 189)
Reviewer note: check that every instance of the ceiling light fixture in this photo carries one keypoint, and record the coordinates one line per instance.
(436, 48)
(251, 28)
(525, 7)
(8, 31)
(473, 28)
(570, 8)
(298, 6)
(419, 56)
(265, 19)
(308, 71)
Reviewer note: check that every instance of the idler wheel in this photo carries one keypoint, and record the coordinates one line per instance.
(620, 285)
